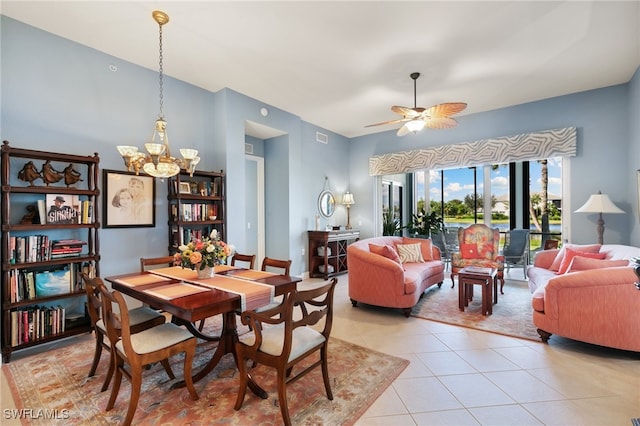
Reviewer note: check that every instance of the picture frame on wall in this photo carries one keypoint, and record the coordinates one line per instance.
(129, 200)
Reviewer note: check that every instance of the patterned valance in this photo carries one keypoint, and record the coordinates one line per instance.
(501, 150)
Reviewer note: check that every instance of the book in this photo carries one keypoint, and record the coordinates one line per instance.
(42, 211)
(53, 282)
(62, 208)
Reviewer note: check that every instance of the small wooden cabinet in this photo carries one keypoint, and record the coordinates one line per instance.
(328, 252)
(196, 207)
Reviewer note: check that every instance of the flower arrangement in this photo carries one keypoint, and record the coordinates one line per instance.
(200, 253)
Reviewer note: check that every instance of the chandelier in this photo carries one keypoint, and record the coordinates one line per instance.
(157, 161)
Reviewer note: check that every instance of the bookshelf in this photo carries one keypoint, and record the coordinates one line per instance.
(50, 228)
(196, 206)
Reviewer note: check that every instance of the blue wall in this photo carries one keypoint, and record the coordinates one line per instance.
(59, 95)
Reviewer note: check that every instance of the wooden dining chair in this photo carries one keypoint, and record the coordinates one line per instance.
(248, 258)
(155, 344)
(278, 340)
(140, 318)
(270, 263)
(147, 262)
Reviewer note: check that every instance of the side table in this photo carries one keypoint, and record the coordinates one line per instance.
(485, 277)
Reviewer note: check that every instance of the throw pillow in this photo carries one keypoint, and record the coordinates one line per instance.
(410, 253)
(469, 251)
(425, 246)
(387, 251)
(570, 254)
(581, 263)
(589, 248)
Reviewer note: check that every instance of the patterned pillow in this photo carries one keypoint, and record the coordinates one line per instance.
(386, 251)
(469, 251)
(410, 253)
(425, 246)
(570, 254)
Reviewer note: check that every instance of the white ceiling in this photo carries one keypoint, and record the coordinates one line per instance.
(341, 65)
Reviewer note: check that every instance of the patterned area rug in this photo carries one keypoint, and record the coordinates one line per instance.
(512, 315)
(57, 381)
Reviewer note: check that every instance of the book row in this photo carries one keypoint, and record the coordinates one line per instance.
(195, 212)
(34, 284)
(36, 322)
(61, 209)
(39, 248)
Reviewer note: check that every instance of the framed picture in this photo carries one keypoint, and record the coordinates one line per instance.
(185, 188)
(129, 200)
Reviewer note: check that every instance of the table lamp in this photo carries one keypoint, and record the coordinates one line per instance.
(599, 203)
(347, 200)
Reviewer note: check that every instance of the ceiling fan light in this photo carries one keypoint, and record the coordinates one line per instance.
(415, 125)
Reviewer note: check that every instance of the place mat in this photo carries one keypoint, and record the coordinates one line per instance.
(174, 291)
(250, 274)
(252, 295)
(224, 268)
(136, 280)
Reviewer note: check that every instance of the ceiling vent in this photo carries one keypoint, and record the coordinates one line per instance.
(322, 138)
(248, 148)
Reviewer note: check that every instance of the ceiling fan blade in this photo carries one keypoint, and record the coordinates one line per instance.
(406, 111)
(440, 123)
(404, 130)
(445, 109)
(399, 120)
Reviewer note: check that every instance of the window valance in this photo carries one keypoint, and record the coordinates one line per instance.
(501, 150)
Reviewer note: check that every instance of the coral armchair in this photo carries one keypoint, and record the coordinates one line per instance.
(479, 246)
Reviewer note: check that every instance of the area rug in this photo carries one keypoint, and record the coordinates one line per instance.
(512, 315)
(53, 388)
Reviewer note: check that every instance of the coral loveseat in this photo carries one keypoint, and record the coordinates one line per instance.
(595, 301)
(380, 281)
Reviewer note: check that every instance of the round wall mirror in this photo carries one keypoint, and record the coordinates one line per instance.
(326, 203)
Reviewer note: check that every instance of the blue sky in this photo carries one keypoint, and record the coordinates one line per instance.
(459, 182)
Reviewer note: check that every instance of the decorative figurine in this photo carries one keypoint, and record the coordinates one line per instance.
(71, 175)
(49, 174)
(31, 216)
(29, 173)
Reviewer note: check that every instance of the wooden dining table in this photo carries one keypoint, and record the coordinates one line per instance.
(190, 300)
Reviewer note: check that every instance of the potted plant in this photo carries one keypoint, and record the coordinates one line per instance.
(390, 223)
(425, 224)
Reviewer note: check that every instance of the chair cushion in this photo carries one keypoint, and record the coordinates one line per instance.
(142, 314)
(303, 339)
(410, 253)
(156, 338)
(570, 254)
(386, 251)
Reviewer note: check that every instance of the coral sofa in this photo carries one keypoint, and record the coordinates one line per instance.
(594, 300)
(381, 279)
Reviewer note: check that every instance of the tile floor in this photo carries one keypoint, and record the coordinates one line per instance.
(460, 376)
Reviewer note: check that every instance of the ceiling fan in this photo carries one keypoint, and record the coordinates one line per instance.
(416, 118)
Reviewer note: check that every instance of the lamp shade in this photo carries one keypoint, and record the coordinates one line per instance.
(599, 203)
(347, 199)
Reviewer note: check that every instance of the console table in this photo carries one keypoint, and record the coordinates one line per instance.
(328, 252)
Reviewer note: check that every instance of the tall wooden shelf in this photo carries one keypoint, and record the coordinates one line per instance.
(328, 252)
(37, 308)
(196, 205)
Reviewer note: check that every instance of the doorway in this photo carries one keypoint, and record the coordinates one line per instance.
(254, 202)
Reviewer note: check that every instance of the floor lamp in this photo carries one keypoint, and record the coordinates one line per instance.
(347, 200)
(599, 203)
